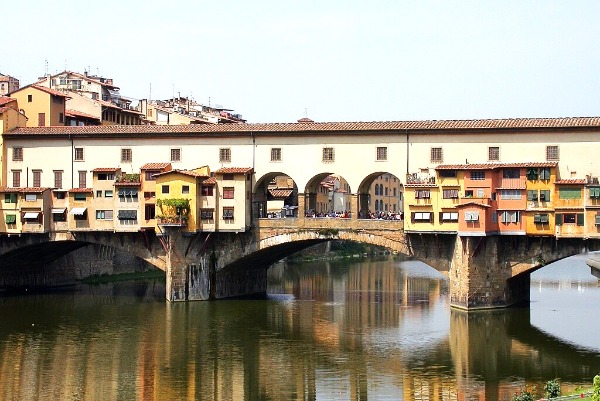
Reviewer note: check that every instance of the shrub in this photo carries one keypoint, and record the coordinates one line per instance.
(596, 393)
(525, 395)
(552, 389)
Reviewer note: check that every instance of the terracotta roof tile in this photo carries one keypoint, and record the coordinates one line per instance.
(210, 181)
(50, 91)
(184, 172)
(155, 166)
(5, 100)
(76, 113)
(23, 190)
(9, 190)
(571, 181)
(106, 170)
(280, 193)
(234, 170)
(81, 190)
(308, 128)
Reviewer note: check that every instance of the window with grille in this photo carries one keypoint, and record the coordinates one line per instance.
(225, 155)
(126, 155)
(552, 153)
(328, 155)
(510, 194)
(493, 153)
(436, 155)
(227, 213)
(381, 153)
(275, 154)
(477, 175)
(472, 216)
(17, 154)
(175, 155)
(207, 214)
(78, 154)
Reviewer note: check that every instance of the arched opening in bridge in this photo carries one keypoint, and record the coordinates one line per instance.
(380, 196)
(328, 195)
(275, 196)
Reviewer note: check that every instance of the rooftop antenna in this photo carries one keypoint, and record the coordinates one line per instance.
(46, 67)
(150, 94)
(306, 112)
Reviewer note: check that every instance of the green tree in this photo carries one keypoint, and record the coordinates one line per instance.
(596, 392)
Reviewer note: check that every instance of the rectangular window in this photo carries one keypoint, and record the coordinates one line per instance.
(185, 189)
(29, 98)
(16, 178)
(227, 213)
(544, 173)
(207, 190)
(509, 217)
(421, 217)
(11, 219)
(594, 193)
(532, 174)
(580, 219)
(569, 193)
(472, 216)
(150, 175)
(41, 119)
(511, 173)
(422, 194)
(449, 216)
(436, 155)
(58, 179)
(493, 153)
(328, 155)
(82, 179)
(108, 193)
(207, 214)
(477, 175)
(381, 153)
(225, 155)
(126, 155)
(228, 193)
(552, 153)
(30, 197)
(165, 189)
(37, 178)
(569, 218)
(227, 177)
(541, 218)
(60, 195)
(175, 154)
(544, 195)
(104, 214)
(79, 196)
(149, 212)
(61, 118)
(99, 193)
(447, 193)
(480, 193)
(532, 195)
(106, 176)
(447, 173)
(149, 195)
(10, 198)
(59, 216)
(17, 154)
(78, 154)
(275, 154)
(510, 194)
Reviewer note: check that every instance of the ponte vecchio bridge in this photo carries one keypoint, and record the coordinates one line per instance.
(486, 268)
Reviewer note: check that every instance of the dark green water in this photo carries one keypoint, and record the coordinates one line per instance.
(345, 331)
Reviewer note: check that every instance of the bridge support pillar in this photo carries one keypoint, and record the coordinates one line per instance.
(480, 275)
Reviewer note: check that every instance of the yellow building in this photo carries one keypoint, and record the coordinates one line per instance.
(103, 183)
(541, 194)
(569, 208)
(592, 207)
(421, 203)
(81, 210)
(178, 195)
(451, 182)
(10, 221)
(44, 107)
(148, 189)
(127, 202)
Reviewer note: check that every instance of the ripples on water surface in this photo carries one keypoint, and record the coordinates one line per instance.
(377, 330)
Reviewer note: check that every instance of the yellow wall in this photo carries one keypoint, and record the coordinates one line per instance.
(41, 102)
(176, 181)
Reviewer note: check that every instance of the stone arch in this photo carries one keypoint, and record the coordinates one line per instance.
(328, 192)
(385, 196)
(275, 195)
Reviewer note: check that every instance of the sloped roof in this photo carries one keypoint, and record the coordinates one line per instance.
(491, 166)
(234, 170)
(155, 166)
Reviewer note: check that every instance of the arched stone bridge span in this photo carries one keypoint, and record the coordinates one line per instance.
(484, 272)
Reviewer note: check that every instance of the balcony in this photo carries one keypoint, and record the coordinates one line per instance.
(172, 221)
(417, 179)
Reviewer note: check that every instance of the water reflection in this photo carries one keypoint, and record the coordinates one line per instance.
(328, 331)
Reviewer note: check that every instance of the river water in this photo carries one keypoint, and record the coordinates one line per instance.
(352, 330)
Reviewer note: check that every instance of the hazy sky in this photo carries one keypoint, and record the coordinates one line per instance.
(277, 60)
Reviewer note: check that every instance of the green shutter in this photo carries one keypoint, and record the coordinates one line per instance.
(558, 219)
(569, 193)
(532, 195)
(580, 219)
(11, 218)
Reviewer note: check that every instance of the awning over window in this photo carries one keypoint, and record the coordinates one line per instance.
(11, 218)
(78, 211)
(31, 215)
(58, 210)
(127, 215)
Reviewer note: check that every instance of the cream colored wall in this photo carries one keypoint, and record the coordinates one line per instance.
(84, 104)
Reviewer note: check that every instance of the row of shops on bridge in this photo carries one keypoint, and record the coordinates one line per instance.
(156, 198)
(502, 199)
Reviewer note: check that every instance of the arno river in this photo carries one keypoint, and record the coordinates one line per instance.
(368, 330)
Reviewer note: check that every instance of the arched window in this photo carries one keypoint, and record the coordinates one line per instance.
(376, 189)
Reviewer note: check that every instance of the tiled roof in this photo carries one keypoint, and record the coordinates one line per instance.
(128, 184)
(420, 185)
(155, 166)
(473, 203)
(234, 170)
(106, 170)
(307, 128)
(50, 91)
(3, 109)
(76, 113)
(210, 181)
(6, 99)
(23, 190)
(184, 172)
(571, 181)
(491, 166)
(81, 190)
